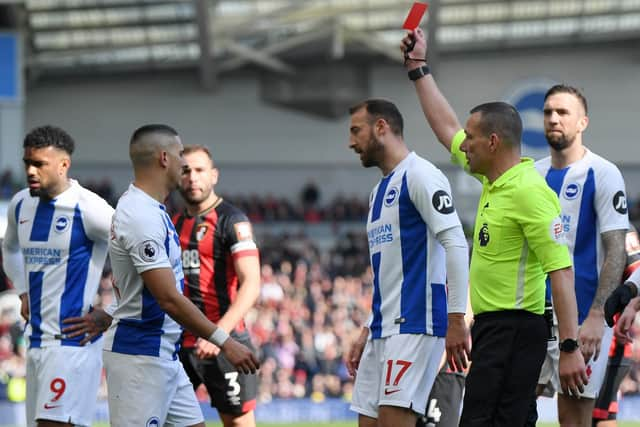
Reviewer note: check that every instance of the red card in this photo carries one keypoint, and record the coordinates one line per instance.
(415, 15)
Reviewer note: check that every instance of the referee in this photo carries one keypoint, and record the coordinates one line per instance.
(517, 241)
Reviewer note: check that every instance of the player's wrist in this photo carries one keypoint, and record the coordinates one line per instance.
(417, 70)
(218, 337)
(597, 312)
(633, 287)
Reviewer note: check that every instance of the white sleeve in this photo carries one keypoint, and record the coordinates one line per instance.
(97, 219)
(143, 237)
(610, 200)
(12, 259)
(430, 192)
(455, 246)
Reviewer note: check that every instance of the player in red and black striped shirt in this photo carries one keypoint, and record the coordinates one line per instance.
(222, 278)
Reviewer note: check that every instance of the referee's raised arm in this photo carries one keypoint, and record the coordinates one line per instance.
(436, 108)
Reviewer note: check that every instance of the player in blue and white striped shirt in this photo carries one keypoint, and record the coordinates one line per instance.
(419, 257)
(54, 251)
(147, 383)
(594, 218)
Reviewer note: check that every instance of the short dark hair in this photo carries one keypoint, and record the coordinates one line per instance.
(500, 118)
(49, 136)
(564, 88)
(194, 148)
(152, 128)
(382, 109)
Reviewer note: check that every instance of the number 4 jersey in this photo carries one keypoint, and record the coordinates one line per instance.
(592, 199)
(210, 242)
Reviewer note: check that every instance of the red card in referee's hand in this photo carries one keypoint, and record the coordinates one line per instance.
(415, 15)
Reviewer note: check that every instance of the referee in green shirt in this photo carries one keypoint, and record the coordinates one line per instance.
(517, 242)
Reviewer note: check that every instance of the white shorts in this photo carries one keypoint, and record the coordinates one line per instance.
(62, 383)
(149, 391)
(596, 369)
(398, 370)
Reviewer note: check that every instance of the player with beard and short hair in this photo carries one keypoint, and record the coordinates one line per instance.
(222, 278)
(54, 251)
(594, 218)
(419, 258)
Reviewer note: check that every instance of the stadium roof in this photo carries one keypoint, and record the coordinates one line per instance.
(71, 36)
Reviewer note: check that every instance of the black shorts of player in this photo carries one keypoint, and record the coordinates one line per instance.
(507, 354)
(445, 399)
(618, 367)
(231, 392)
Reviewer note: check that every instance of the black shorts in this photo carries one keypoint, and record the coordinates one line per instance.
(445, 399)
(231, 392)
(508, 350)
(618, 366)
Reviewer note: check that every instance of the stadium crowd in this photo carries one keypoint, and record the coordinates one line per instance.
(311, 306)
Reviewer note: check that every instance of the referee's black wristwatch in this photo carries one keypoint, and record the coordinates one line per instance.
(418, 73)
(568, 345)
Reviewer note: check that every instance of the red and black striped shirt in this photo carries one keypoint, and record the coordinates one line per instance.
(210, 241)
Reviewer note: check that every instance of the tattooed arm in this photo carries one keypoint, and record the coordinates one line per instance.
(592, 328)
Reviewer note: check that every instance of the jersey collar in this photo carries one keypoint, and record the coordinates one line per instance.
(525, 163)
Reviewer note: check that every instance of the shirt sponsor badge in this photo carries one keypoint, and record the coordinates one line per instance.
(243, 230)
(556, 230)
(442, 202)
(620, 203)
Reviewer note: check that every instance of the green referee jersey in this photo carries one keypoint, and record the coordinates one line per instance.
(517, 238)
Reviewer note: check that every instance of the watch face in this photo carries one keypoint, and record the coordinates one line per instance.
(568, 345)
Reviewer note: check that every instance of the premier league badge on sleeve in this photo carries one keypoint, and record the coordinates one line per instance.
(148, 250)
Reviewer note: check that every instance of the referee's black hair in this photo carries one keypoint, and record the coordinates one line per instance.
(49, 136)
(502, 119)
(382, 109)
(152, 128)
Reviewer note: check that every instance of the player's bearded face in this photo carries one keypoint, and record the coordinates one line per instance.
(46, 170)
(198, 178)
(558, 140)
(372, 152)
(564, 119)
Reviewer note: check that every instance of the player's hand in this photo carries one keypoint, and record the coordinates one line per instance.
(355, 352)
(590, 335)
(618, 300)
(24, 306)
(572, 372)
(89, 326)
(419, 50)
(622, 330)
(457, 343)
(206, 349)
(240, 356)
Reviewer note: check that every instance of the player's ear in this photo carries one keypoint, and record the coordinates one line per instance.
(214, 176)
(65, 164)
(163, 159)
(583, 123)
(381, 126)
